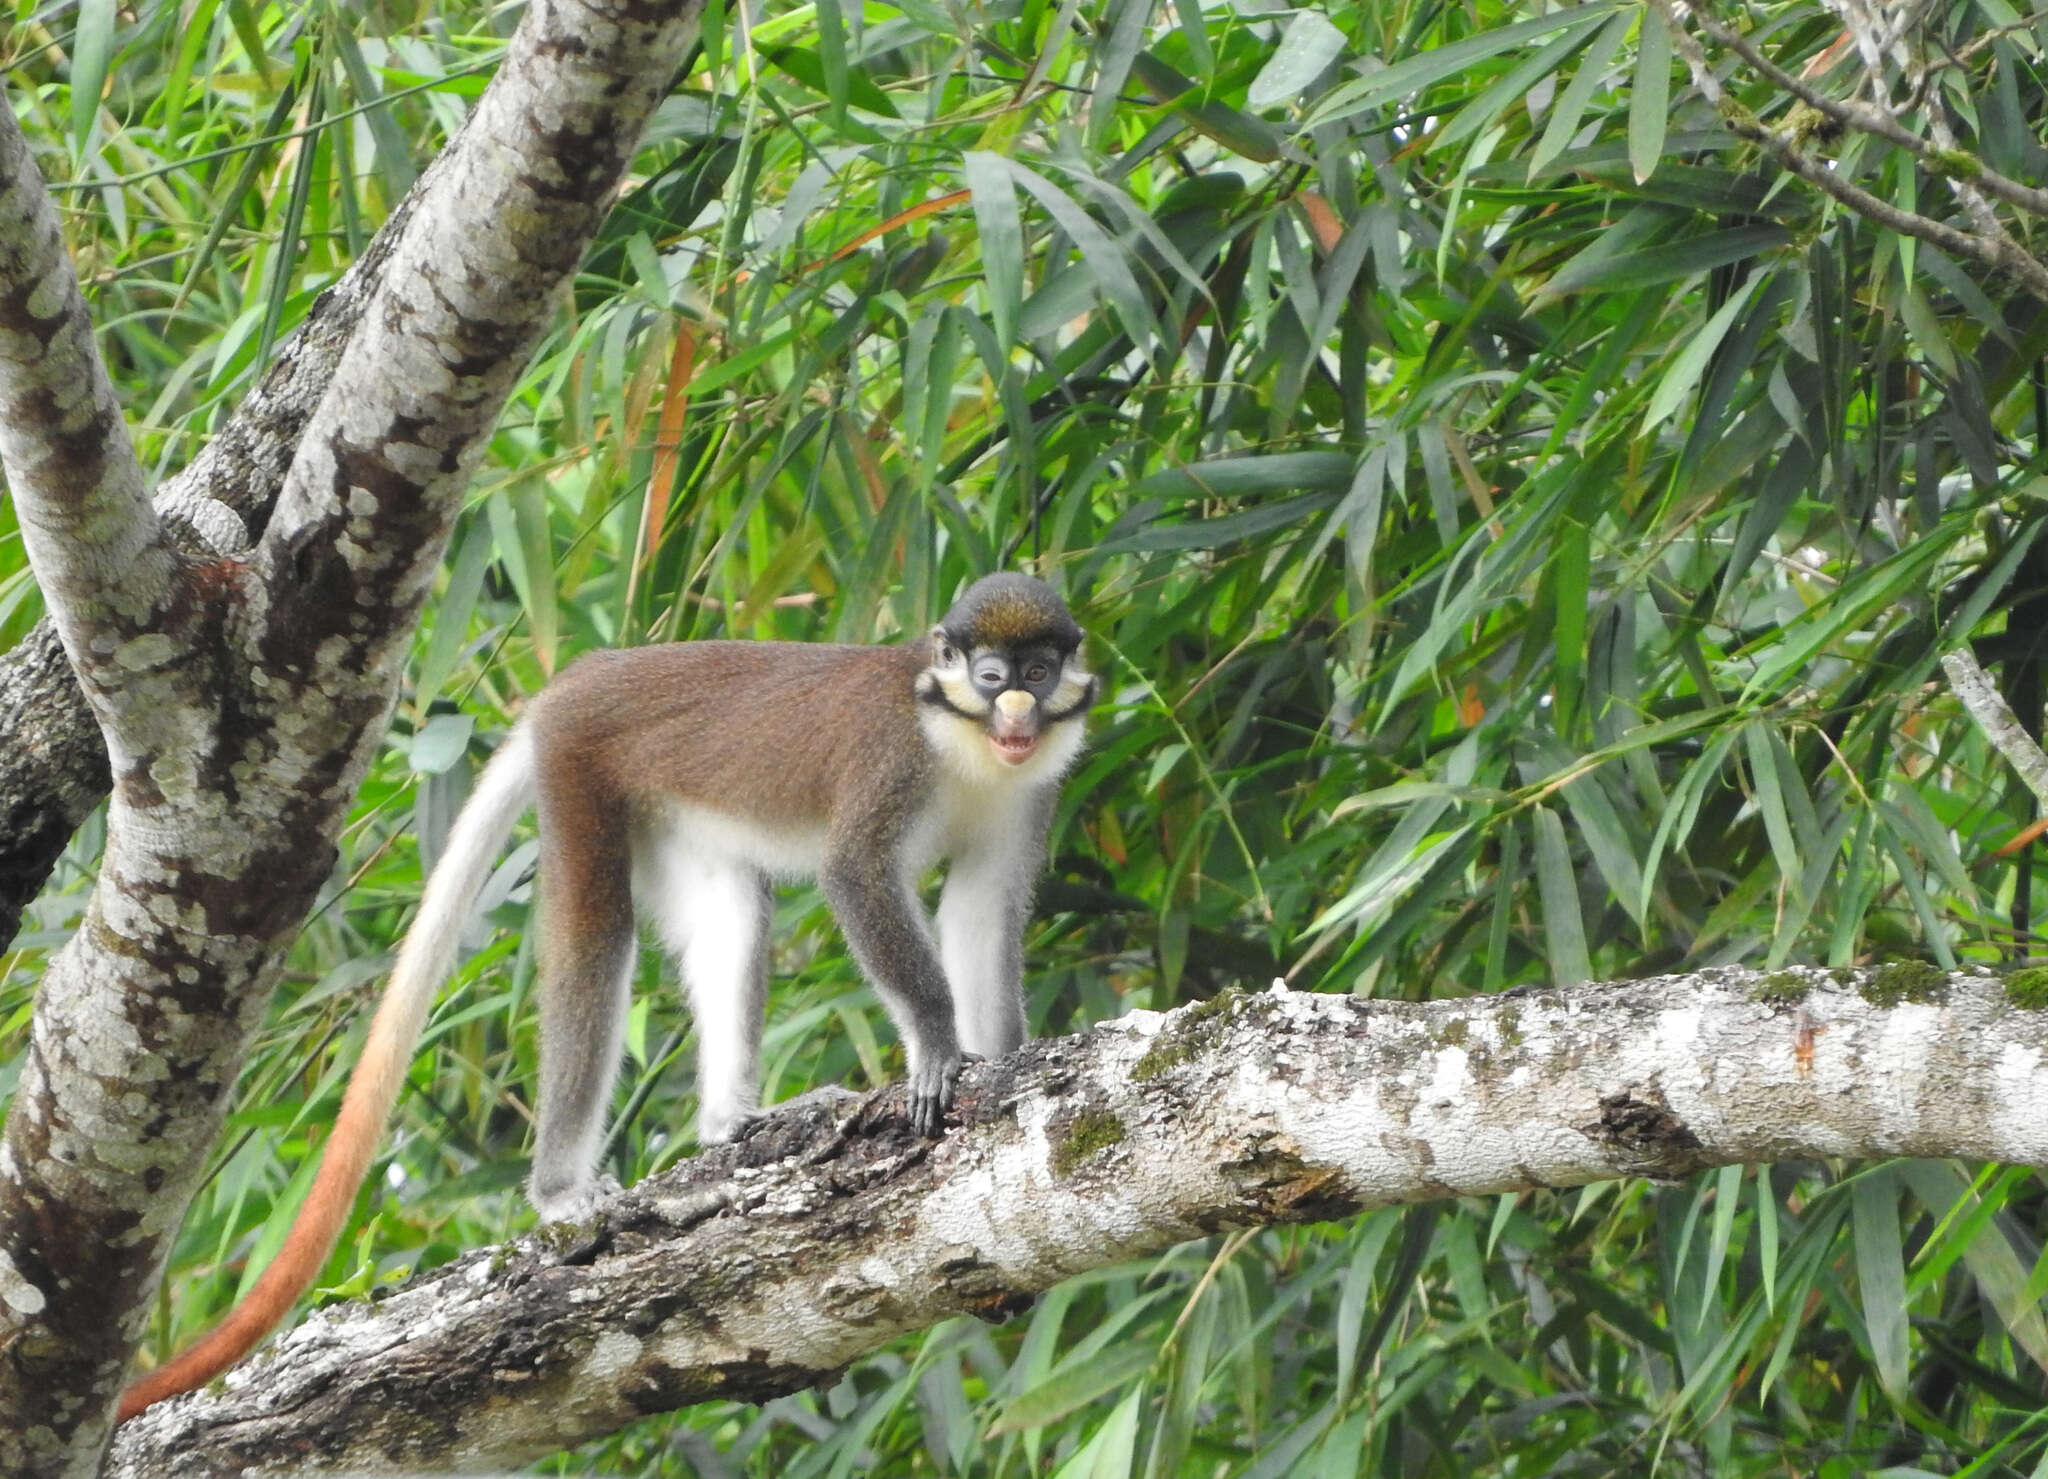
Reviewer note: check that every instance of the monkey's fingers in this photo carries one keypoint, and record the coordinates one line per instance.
(931, 1095)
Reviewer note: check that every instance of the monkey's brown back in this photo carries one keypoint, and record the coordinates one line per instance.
(649, 722)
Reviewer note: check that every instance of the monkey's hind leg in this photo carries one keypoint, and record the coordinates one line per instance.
(713, 916)
(586, 971)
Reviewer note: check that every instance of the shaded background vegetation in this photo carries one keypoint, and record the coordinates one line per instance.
(1517, 524)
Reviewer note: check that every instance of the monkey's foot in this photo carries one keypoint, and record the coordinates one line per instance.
(572, 1203)
(723, 1124)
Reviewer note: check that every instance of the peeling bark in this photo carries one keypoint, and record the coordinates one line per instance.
(242, 693)
(765, 1267)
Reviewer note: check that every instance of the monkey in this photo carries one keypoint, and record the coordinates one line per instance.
(679, 783)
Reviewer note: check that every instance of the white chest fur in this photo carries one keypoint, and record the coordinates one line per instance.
(978, 797)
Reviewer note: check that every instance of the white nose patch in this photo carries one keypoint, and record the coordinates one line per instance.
(1014, 704)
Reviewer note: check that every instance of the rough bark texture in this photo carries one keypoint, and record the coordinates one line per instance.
(53, 767)
(242, 695)
(53, 761)
(765, 1267)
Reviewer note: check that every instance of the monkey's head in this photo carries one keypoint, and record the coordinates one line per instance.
(1006, 659)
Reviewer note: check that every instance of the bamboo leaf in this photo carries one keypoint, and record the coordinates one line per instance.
(1105, 259)
(1685, 370)
(1512, 88)
(1249, 477)
(1108, 1454)
(1881, 1276)
(1412, 74)
(92, 48)
(832, 57)
(1727, 1198)
(1766, 1234)
(1308, 46)
(1113, 67)
(452, 612)
(441, 742)
(1074, 1385)
(1666, 262)
(1241, 133)
(1001, 228)
(1770, 799)
(1649, 101)
(1564, 928)
(1571, 105)
(1683, 809)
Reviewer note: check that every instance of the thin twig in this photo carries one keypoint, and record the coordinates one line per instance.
(1874, 120)
(2005, 255)
(1995, 717)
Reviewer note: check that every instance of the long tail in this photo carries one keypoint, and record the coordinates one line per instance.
(503, 793)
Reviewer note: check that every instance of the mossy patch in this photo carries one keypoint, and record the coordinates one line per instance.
(1957, 164)
(561, 1238)
(1903, 981)
(1089, 1131)
(1806, 123)
(1780, 986)
(1190, 1032)
(1218, 1005)
(2027, 988)
(1455, 1033)
(1738, 116)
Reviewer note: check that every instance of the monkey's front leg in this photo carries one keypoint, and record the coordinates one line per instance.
(981, 929)
(885, 928)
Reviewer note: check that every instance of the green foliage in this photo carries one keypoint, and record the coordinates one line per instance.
(1518, 527)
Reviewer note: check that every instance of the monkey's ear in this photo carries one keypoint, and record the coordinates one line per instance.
(944, 653)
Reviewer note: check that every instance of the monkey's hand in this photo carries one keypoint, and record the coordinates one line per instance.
(932, 1079)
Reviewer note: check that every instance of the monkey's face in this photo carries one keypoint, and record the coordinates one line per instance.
(1014, 694)
(1006, 659)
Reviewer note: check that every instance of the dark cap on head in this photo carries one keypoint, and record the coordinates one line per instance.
(1009, 609)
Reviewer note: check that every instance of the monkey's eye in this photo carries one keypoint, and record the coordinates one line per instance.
(991, 675)
(1038, 672)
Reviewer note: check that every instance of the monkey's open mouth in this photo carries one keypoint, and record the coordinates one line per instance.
(1015, 748)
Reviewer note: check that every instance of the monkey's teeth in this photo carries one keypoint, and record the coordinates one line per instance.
(1014, 747)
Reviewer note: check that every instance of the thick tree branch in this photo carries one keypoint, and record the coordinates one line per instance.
(386, 457)
(763, 1268)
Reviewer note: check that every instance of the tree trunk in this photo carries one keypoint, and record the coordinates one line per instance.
(241, 694)
(53, 760)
